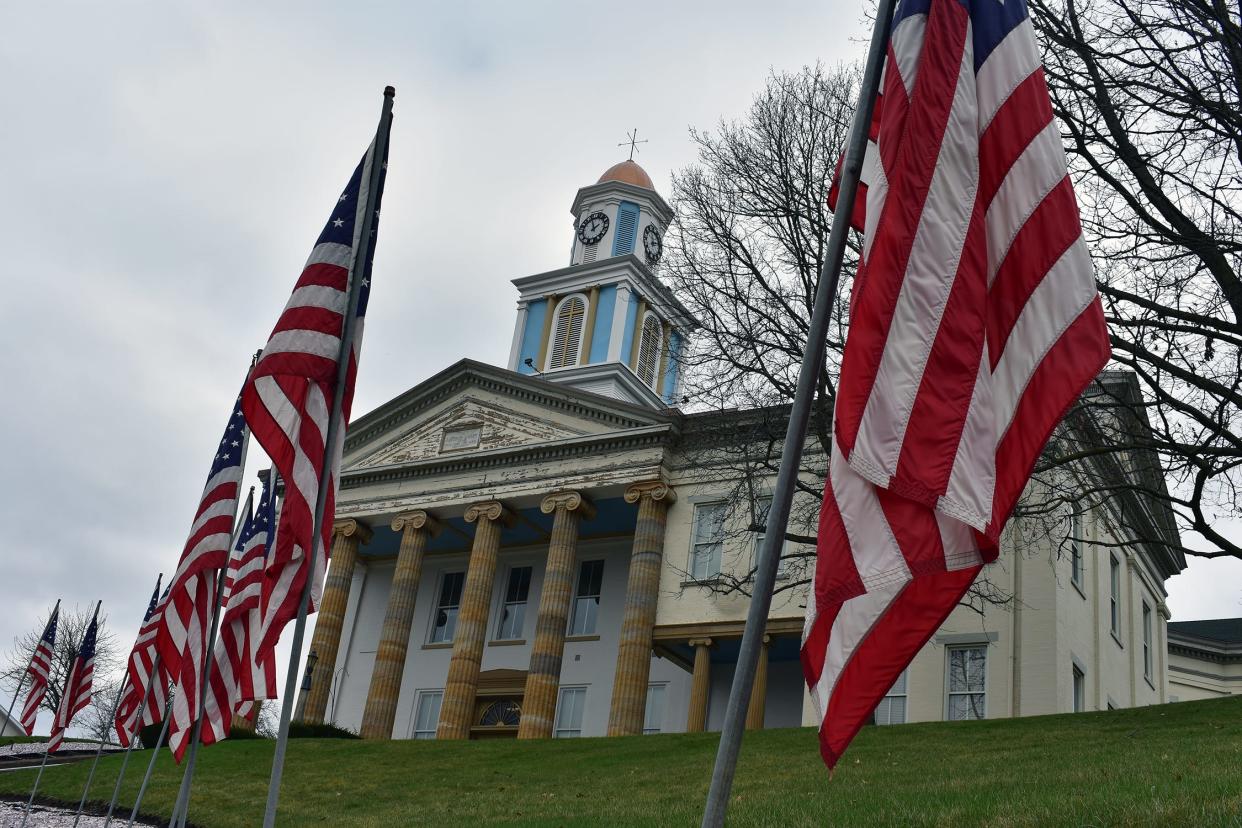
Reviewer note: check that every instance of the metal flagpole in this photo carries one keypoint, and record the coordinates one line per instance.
(133, 739)
(43, 764)
(22, 678)
(795, 435)
(111, 714)
(361, 256)
(182, 807)
(155, 752)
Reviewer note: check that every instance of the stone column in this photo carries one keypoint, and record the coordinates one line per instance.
(544, 676)
(629, 685)
(457, 709)
(346, 536)
(377, 719)
(759, 690)
(700, 685)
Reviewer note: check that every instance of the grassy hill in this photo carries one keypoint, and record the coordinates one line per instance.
(1178, 764)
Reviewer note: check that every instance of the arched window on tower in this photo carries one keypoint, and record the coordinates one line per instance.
(649, 350)
(567, 334)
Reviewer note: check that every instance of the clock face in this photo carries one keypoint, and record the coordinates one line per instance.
(593, 228)
(652, 245)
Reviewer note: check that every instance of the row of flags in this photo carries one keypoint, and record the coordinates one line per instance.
(247, 575)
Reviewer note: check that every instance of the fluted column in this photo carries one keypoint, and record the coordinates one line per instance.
(544, 676)
(381, 711)
(346, 535)
(700, 685)
(463, 675)
(759, 690)
(629, 685)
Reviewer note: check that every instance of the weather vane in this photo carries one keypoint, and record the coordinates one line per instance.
(633, 142)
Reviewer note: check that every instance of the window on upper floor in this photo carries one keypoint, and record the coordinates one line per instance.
(1114, 596)
(892, 708)
(426, 714)
(569, 712)
(1146, 641)
(444, 623)
(1076, 545)
(763, 505)
(1079, 689)
(707, 541)
(966, 685)
(649, 350)
(586, 598)
(513, 613)
(566, 342)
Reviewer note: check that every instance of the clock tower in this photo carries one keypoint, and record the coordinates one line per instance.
(606, 323)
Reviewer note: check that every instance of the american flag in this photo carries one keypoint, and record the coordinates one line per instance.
(236, 676)
(290, 395)
(78, 688)
(186, 622)
(39, 670)
(143, 664)
(974, 324)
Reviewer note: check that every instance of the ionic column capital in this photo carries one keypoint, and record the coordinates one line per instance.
(571, 501)
(492, 510)
(652, 489)
(417, 519)
(700, 642)
(349, 527)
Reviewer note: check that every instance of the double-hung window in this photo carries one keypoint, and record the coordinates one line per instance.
(444, 624)
(586, 598)
(653, 719)
(966, 686)
(763, 506)
(892, 708)
(1075, 544)
(513, 614)
(707, 544)
(1080, 689)
(569, 712)
(427, 714)
(1146, 641)
(1114, 596)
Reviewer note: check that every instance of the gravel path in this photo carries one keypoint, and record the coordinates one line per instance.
(39, 748)
(43, 816)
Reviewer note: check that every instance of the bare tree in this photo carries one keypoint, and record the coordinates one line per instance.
(1149, 96)
(70, 630)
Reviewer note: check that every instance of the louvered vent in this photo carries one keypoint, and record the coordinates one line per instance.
(567, 338)
(588, 253)
(627, 229)
(649, 351)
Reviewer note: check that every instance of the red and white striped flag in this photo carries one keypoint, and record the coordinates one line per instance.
(290, 395)
(974, 325)
(138, 676)
(185, 626)
(238, 676)
(39, 670)
(78, 688)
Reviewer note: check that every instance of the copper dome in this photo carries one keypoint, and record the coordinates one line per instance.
(629, 173)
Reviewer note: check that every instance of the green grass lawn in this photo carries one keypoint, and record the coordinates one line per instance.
(1178, 764)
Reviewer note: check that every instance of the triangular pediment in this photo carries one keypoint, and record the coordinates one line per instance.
(472, 408)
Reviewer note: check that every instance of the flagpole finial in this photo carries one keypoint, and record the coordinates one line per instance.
(390, 92)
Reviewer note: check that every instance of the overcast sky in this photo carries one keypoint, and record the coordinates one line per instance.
(167, 168)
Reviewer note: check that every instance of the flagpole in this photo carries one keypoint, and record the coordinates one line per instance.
(111, 714)
(795, 435)
(63, 693)
(361, 256)
(8, 717)
(182, 807)
(155, 752)
(133, 739)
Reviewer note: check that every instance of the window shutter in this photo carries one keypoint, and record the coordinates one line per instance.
(567, 337)
(649, 350)
(627, 229)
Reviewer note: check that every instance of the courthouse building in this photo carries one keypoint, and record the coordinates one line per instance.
(537, 550)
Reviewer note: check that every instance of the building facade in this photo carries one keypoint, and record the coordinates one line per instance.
(1205, 659)
(554, 549)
